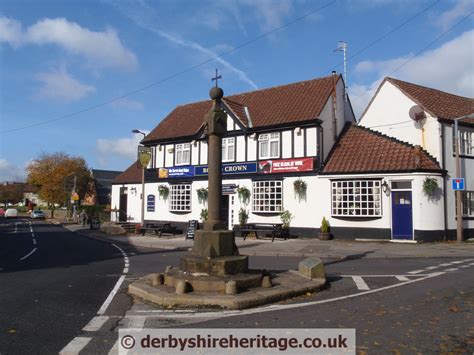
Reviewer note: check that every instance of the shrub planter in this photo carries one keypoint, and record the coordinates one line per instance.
(324, 236)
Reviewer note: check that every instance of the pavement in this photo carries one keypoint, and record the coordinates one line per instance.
(338, 249)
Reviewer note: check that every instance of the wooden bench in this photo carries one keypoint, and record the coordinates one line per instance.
(158, 228)
(275, 230)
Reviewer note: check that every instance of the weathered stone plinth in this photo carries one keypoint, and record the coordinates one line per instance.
(216, 284)
(220, 266)
(211, 243)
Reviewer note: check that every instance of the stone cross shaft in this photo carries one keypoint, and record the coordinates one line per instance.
(216, 126)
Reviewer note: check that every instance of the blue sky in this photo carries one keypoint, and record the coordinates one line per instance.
(59, 58)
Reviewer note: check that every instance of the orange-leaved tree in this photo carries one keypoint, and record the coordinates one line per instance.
(54, 176)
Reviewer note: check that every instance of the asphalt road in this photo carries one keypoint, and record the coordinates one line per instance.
(53, 293)
(49, 294)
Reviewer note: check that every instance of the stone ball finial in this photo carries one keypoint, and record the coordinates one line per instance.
(216, 93)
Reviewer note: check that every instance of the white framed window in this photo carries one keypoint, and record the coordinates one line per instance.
(267, 196)
(180, 198)
(356, 198)
(269, 145)
(228, 149)
(466, 143)
(182, 154)
(468, 203)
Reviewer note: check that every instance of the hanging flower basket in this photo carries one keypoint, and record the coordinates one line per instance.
(244, 195)
(163, 191)
(300, 187)
(429, 186)
(202, 195)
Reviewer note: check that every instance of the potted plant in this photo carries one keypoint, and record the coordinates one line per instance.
(202, 194)
(286, 218)
(163, 191)
(429, 186)
(204, 215)
(324, 230)
(300, 187)
(244, 195)
(243, 217)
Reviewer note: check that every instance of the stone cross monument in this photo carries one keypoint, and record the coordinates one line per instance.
(214, 251)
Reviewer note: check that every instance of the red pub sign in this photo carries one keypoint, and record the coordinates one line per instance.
(285, 165)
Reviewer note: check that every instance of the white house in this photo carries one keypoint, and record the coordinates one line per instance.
(301, 132)
(425, 117)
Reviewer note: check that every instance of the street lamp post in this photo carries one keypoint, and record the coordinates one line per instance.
(136, 131)
(459, 231)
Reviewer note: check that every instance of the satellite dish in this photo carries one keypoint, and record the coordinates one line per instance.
(417, 115)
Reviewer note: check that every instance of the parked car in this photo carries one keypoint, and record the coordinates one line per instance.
(2, 212)
(11, 213)
(37, 214)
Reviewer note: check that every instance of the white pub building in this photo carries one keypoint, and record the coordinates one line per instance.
(297, 148)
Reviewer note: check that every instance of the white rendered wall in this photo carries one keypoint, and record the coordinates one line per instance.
(169, 155)
(114, 201)
(287, 137)
(311, 142)
(389, 114)
(299, 143)
(240, 149)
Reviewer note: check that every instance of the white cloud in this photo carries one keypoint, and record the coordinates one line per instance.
(461, 9)
(100, 49)
(269, 14)
(58, 84)
(10, 31)
(434, 68)
(141, 15)
(10, 171)
(127, 103)
(118, 148)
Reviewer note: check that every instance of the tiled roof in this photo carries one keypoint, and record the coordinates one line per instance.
(361, 150)
(133, 174)
(278, 105)
(440, 104)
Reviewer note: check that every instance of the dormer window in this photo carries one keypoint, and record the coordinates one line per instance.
(269, 145)
(182, 154)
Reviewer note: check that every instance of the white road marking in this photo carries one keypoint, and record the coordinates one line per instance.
(136, 322)
(96, 323)
(445, 264)
(452, 269)
(125, 270)
(360, 283)
(112, 293)
(419, 275)
(29, 254)
(431, 267)
(415, 272)
(464, 266)
(402, 278)
(457, 262)
(115, 349)
(75, 346)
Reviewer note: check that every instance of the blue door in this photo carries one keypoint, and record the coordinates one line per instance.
(402, 215)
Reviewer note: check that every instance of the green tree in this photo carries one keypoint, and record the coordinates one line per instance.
(54, 176)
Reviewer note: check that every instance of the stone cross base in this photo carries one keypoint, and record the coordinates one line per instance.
(213, 244)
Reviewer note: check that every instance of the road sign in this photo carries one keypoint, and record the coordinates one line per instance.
(458, 184)
(75, 196)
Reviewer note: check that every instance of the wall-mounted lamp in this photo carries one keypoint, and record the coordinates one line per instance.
(160, 148)
(384, 186)
(193, 143)
(298, 131)
(170, 150)
(253, 135)
(133, 190)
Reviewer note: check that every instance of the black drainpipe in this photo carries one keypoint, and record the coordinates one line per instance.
(445, 202)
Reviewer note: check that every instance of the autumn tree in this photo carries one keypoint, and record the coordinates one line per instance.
(54, 175)
(11, 193)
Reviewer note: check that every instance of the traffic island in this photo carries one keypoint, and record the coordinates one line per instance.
(172, 294)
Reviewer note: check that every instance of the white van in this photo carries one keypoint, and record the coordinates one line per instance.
(11, 213)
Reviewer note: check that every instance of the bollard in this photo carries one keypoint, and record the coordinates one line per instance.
(231, 287)
(266, 282)
(181, 287)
